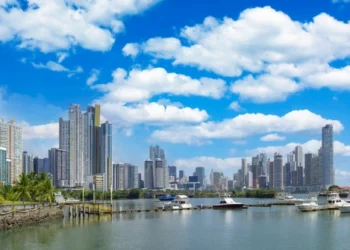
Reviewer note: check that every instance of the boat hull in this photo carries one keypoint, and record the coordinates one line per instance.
(228, 206)
(345, 209)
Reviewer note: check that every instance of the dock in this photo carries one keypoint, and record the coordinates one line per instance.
(319, 208)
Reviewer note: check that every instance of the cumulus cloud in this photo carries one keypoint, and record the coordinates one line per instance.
(151, 113)
(46, 131)
(280, 56)
(236, 106)
(246, 125)
(272, 137)
(139, 85)
(64, 24)
(130, 49)
(57, 67)
(93, 77)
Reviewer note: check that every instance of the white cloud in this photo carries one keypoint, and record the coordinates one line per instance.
(131, 49)
(151, 113)
(247, 125)
(280, 56)
(57, 67)
(67, 23)
(264, 88)
(46, 131)
(240, 142)
(62, 56)
(140, 85)
(311, 146)
(340, 1)
(50, 65)
(272, 137)
(236, 107)
(93, 77)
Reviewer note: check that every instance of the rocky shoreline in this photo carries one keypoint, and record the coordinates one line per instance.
(23, 217)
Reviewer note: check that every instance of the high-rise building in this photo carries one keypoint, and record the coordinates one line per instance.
(181, 174)
(160, 171)
(5, 167)
(27, 165)
(106, 151)
(327, 155)
(58, 165)
(287, 174)
(64, 142)
(278, 172)
(311, 170)
(216, 180)
(298, 152)
(244, 172)
(41, 165)
(125, 176)
(294, 178)
(141, 183)
(271, 175)
(76, 144)
(200, 173)
(300, 176)
(90, 143)
(11, 139)
(172, 174)
(249, 179)
(148, 174)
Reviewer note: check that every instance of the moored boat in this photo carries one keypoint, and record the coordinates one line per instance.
(179, 202)
(166, 197)
(307, 206)
(228, 203)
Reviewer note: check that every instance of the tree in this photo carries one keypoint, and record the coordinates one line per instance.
(23, 188)
(333, 187)
(134, 194)
(46, 191)
(2, 199)
(5, 190)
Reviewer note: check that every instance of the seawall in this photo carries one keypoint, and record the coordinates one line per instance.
(21, 215)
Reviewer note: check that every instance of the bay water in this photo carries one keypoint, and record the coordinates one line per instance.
(277, 227)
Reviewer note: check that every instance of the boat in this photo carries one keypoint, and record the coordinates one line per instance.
(179, 202)
(166, 197)
(228, 203)
(346, 207)
(307, 206)
(334, 201)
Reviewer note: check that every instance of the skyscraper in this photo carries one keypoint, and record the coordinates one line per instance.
(11, 140)
(27, 163)
(311, 169)
(58, 165)
(5, 167)
(172, 174)
(106, 151)
(148, 174)
(200, 173)
(299, 156)
(64, 142)
(41, 165)
(125, 176)
(244, 172)
(278, 172)
(181, 174)
(160, 171)
(327, 155)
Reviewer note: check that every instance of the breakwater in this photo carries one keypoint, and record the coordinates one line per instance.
(21, 215)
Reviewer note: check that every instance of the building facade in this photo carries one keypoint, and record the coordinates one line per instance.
(59, 169)
(28, 164)
(5, 167)
(327, 155)
(278, 172)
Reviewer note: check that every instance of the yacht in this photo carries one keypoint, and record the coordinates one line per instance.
(228, 203)
(333, 200)
(166, 197)
(307, 206)
(346, 207)
(180, 202)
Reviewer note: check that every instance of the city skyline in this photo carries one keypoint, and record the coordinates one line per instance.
(200, 86)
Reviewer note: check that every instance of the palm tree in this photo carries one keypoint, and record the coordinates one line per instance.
(5, 190)
(23, 188)
(46, 191)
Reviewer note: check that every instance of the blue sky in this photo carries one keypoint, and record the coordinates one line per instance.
(209, 81)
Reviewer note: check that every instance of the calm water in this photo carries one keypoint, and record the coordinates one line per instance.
(253, 228)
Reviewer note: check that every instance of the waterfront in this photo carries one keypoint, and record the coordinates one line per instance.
(253, 228)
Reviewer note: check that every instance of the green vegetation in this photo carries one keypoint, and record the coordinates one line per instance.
(28, 189)
(255, 193)
(333, 187)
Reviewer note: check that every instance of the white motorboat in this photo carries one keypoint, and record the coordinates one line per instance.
(72, 200)
(228, 203)
(180, 202)
(334, 201)
(346, 207)
(307, 206)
